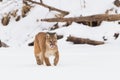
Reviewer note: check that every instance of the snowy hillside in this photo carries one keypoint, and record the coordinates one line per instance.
(77, 61)
(21, 32)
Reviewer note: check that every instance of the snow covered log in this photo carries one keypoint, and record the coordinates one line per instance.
(97, 17)
(76, 40)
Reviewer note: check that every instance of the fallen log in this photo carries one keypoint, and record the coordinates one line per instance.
(49, 7)
(97, 17)
(76, 40)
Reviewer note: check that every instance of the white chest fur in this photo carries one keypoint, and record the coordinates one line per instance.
(49, 53)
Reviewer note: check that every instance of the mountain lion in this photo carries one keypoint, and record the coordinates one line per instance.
(45, 45)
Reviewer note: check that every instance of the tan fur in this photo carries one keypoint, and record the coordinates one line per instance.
(43, 49)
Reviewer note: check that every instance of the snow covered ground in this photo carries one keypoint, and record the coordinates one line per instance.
(77, 62)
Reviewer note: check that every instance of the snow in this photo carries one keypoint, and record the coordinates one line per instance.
(80, 61)
(76, 62)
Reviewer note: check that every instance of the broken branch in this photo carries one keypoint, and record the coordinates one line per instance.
(49, 7)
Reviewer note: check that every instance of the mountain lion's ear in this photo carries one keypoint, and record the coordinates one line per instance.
(47, 35)
(55, 35)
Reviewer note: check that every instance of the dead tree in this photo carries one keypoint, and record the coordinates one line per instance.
(76, 40)
(49, 7)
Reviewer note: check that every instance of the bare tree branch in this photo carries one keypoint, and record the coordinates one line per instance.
(49, 7)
